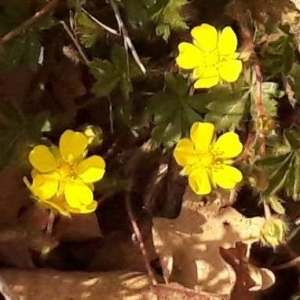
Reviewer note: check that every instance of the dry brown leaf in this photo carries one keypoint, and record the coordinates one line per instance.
(188, 246)
(176, 291)
(54, 285)
(13, 195)
(263, 278)
(35, 217)
(249, 277)
(79, 228)
(296, 3)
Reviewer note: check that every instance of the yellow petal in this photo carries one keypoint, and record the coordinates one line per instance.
(207, 77)
(184, 153)
(199, 182)
(189, 56)
(202, 135)
(91, 169)
(206, 72)
(78, 194)
(42, 159)
(230, 70)
(44, 186)
(198, 72)
(206, 82)
(226, 177)
(228, 145)
(205, 37)
(227, 41)
(72, 145)
(84, 209)
(57, 205)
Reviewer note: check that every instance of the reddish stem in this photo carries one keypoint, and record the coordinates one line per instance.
(139, 237)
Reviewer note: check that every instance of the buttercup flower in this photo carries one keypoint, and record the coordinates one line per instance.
(62, 178)
(212, 56)
(206, 160)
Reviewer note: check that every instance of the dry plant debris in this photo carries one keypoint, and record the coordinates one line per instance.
(189, 246)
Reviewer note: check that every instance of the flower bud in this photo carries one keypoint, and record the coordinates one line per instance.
(94, 135)
(265, 125)
(273, 232)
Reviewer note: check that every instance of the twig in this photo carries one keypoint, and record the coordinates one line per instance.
(126, 38)
(6, 291)
(259, 105)
(247, 152)
(267, 210)
(22, 27)
(111, 116)
(261, 137)
(139, 237)
(50, 223)
(76, 43)
(99, 23)
(290, 264)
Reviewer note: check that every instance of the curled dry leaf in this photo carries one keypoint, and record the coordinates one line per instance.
(296, 3)
(263, 278)
(249, 277)
(188, 246)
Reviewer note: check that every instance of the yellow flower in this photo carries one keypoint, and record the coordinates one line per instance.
(212, 56)
(62, 178)
(207, 160)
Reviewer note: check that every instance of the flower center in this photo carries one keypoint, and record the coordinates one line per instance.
(65, 170)
(206, 159)
(211, 58)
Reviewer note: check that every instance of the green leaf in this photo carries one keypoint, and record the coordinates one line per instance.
(18, 132)
(163, 15)
(117, 72)
(271, 161)
(276, 205)
(293, 182)
(107, 77)
(76, 3)
(279, 176)
(87, 30)
(163, 30)
(173, 111)
(277, 55)
(294, 80)
(25, 49)
(292, 137)
(137, 11)
(283, 165)
(119, 58)
(176, 84)
(227, 108)
(169, 18)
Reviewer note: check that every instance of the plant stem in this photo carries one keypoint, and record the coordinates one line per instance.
(76, 43)
(127, 41)
(139, 237)
(99, 23)
(23, 26)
